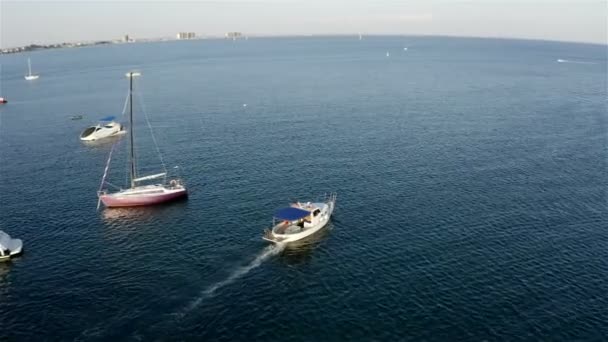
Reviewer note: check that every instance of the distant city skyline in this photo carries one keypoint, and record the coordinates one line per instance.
(25, 22)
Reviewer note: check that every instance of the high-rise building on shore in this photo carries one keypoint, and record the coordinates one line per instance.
(234, 35)
(186, 35)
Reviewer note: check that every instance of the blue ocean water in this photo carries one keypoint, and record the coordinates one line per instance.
(471, 181)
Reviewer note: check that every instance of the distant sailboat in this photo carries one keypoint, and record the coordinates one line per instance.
(136, 194)
(2, 99)
(29, 75)
(360, 36)
(388, 54)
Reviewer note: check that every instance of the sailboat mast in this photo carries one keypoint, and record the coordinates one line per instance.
(132, 152)
(29, 66)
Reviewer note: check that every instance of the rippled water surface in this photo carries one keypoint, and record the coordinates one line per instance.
(471, 180)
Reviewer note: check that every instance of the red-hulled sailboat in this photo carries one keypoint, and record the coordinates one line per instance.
(139, 194)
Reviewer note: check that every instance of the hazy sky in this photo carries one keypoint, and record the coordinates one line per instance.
(23, 21)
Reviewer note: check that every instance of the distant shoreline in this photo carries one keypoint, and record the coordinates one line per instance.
(37, 47)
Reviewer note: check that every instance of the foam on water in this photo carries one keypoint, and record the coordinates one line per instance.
(236, 274)
(574, 62)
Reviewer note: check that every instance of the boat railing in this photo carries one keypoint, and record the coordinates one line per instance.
(175, 183)
(331, 197)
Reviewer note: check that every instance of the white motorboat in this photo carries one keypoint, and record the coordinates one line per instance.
(106, 128)
(30, 76)
(300, 220)
(9, 247)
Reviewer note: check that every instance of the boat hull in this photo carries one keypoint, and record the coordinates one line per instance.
(287, 238)
(274, 237)
(31, 77)
(102, 132)
(131, 198)
(17, 247)
(9, 247)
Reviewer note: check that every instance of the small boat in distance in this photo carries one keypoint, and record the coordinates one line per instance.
(300, 220)
(106, 128)
(75, 117)
(30, 76)
(2, 99)
(137, 194)
(9, 247)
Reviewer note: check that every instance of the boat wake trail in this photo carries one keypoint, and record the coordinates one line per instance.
(574, 62)
(238, 273)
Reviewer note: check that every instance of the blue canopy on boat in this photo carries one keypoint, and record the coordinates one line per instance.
(291, 214)
(108, 118)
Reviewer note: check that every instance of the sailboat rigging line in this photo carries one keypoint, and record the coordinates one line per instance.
(1, 160)
(105, 171)
(112, 185)
(124, 108)
(160, 156)
(131, 137)
(124, 112)
(127, 165)
(0, 79)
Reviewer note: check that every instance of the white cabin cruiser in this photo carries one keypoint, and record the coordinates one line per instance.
(106, 128)
(9, 247)
(300, 220)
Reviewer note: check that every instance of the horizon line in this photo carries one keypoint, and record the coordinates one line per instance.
(305, 35)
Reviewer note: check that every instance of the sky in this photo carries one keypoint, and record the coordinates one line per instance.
(24, 22)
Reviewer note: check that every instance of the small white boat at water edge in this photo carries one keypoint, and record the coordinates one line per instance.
(106, 128)
(9, 247)
(300, 220)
